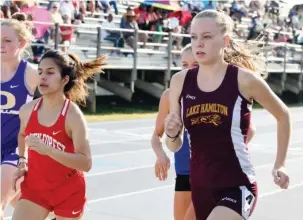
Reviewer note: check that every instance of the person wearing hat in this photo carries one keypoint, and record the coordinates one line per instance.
(130, 22)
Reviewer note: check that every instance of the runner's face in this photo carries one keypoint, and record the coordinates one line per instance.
(50, 77)
(188, 60)
(10, 44)
(207, 40)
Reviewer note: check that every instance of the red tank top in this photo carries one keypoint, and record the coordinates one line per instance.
(217, 123)
(44, 173)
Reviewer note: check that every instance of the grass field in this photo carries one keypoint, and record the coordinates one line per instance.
(122, 111)
(117, 109)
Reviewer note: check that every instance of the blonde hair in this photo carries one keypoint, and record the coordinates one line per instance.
(247, 57)
(22, 24)
(188, 47)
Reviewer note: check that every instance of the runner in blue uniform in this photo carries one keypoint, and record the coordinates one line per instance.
(183, 208)
(19, 81)
(182, 198)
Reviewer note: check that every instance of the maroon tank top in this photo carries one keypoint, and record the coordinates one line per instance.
(217, 124)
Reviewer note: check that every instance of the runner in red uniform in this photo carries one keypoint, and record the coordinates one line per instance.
(54, 130)
(214, 102)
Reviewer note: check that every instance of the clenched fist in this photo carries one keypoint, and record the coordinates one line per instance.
(281, 177)
(173, 124)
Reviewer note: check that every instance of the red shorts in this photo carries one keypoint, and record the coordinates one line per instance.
(241, 199)
(66, 200)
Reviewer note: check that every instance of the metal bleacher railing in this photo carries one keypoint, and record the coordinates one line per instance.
(95, 31)
(286, 70)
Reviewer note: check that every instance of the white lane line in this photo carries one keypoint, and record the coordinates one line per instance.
(280, 190)
(119, 171)
(121, 153)
(263, 195)
(130, 194)
(92, 201)
(143, 138)
(172, 162)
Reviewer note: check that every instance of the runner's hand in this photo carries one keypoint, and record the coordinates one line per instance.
(162, 166)
(173, 124)
(36, 144)
(20, 172)
(281, 178)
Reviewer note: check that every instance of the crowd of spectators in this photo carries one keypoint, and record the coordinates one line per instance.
(251, 19)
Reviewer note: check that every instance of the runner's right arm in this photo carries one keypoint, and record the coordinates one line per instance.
(173, 123)
(24, 114)
(159, 128)
(162, 163)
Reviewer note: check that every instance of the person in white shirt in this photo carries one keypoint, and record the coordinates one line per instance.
(67, 8)
(110, 35)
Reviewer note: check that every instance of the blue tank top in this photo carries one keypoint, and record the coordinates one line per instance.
(14, 94)
(182, 157)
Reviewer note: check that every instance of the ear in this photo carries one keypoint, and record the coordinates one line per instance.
(65, 80)
(22, 44)
(227, 40)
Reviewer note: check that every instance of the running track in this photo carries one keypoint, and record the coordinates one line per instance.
(122, 186)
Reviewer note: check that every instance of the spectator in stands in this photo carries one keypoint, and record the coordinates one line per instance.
(24, 3)
(66, 32)
(72, 10)
(142, 17)
(124, 18)
(54, 11)
(113, 3)
(6, 11)
(254, 5)
(91, 6)
(110, 35)
(210, 5)
(79, 11)
(237, 11)
(280, 38)
(256, 27)
(67, 9)
(152, 18)
(56, 18)
(159, 25)
(300, 37)
(175, 27)
(106, 5)
(131, 23)
(13, 8)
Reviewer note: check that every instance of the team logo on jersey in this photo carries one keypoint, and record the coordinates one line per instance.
(8, 101)
(208, 113)
(214, 119)
(50, 141)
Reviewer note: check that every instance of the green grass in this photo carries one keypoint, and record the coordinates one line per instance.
(117, 109)
(109, 112)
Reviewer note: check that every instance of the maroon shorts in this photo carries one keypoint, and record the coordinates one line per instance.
(66, 200)
(241, 199)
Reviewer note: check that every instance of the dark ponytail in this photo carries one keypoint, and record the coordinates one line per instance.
(76, 89)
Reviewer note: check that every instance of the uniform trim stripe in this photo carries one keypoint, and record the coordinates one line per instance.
(29, 98)
(238, 140)
(181, 104)
(13, 163)
(65, 107)
(247, 203)
(37, 104)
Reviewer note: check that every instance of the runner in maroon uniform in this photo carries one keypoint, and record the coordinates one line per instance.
(214, 103)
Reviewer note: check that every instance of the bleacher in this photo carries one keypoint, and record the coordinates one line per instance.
(150, 69)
